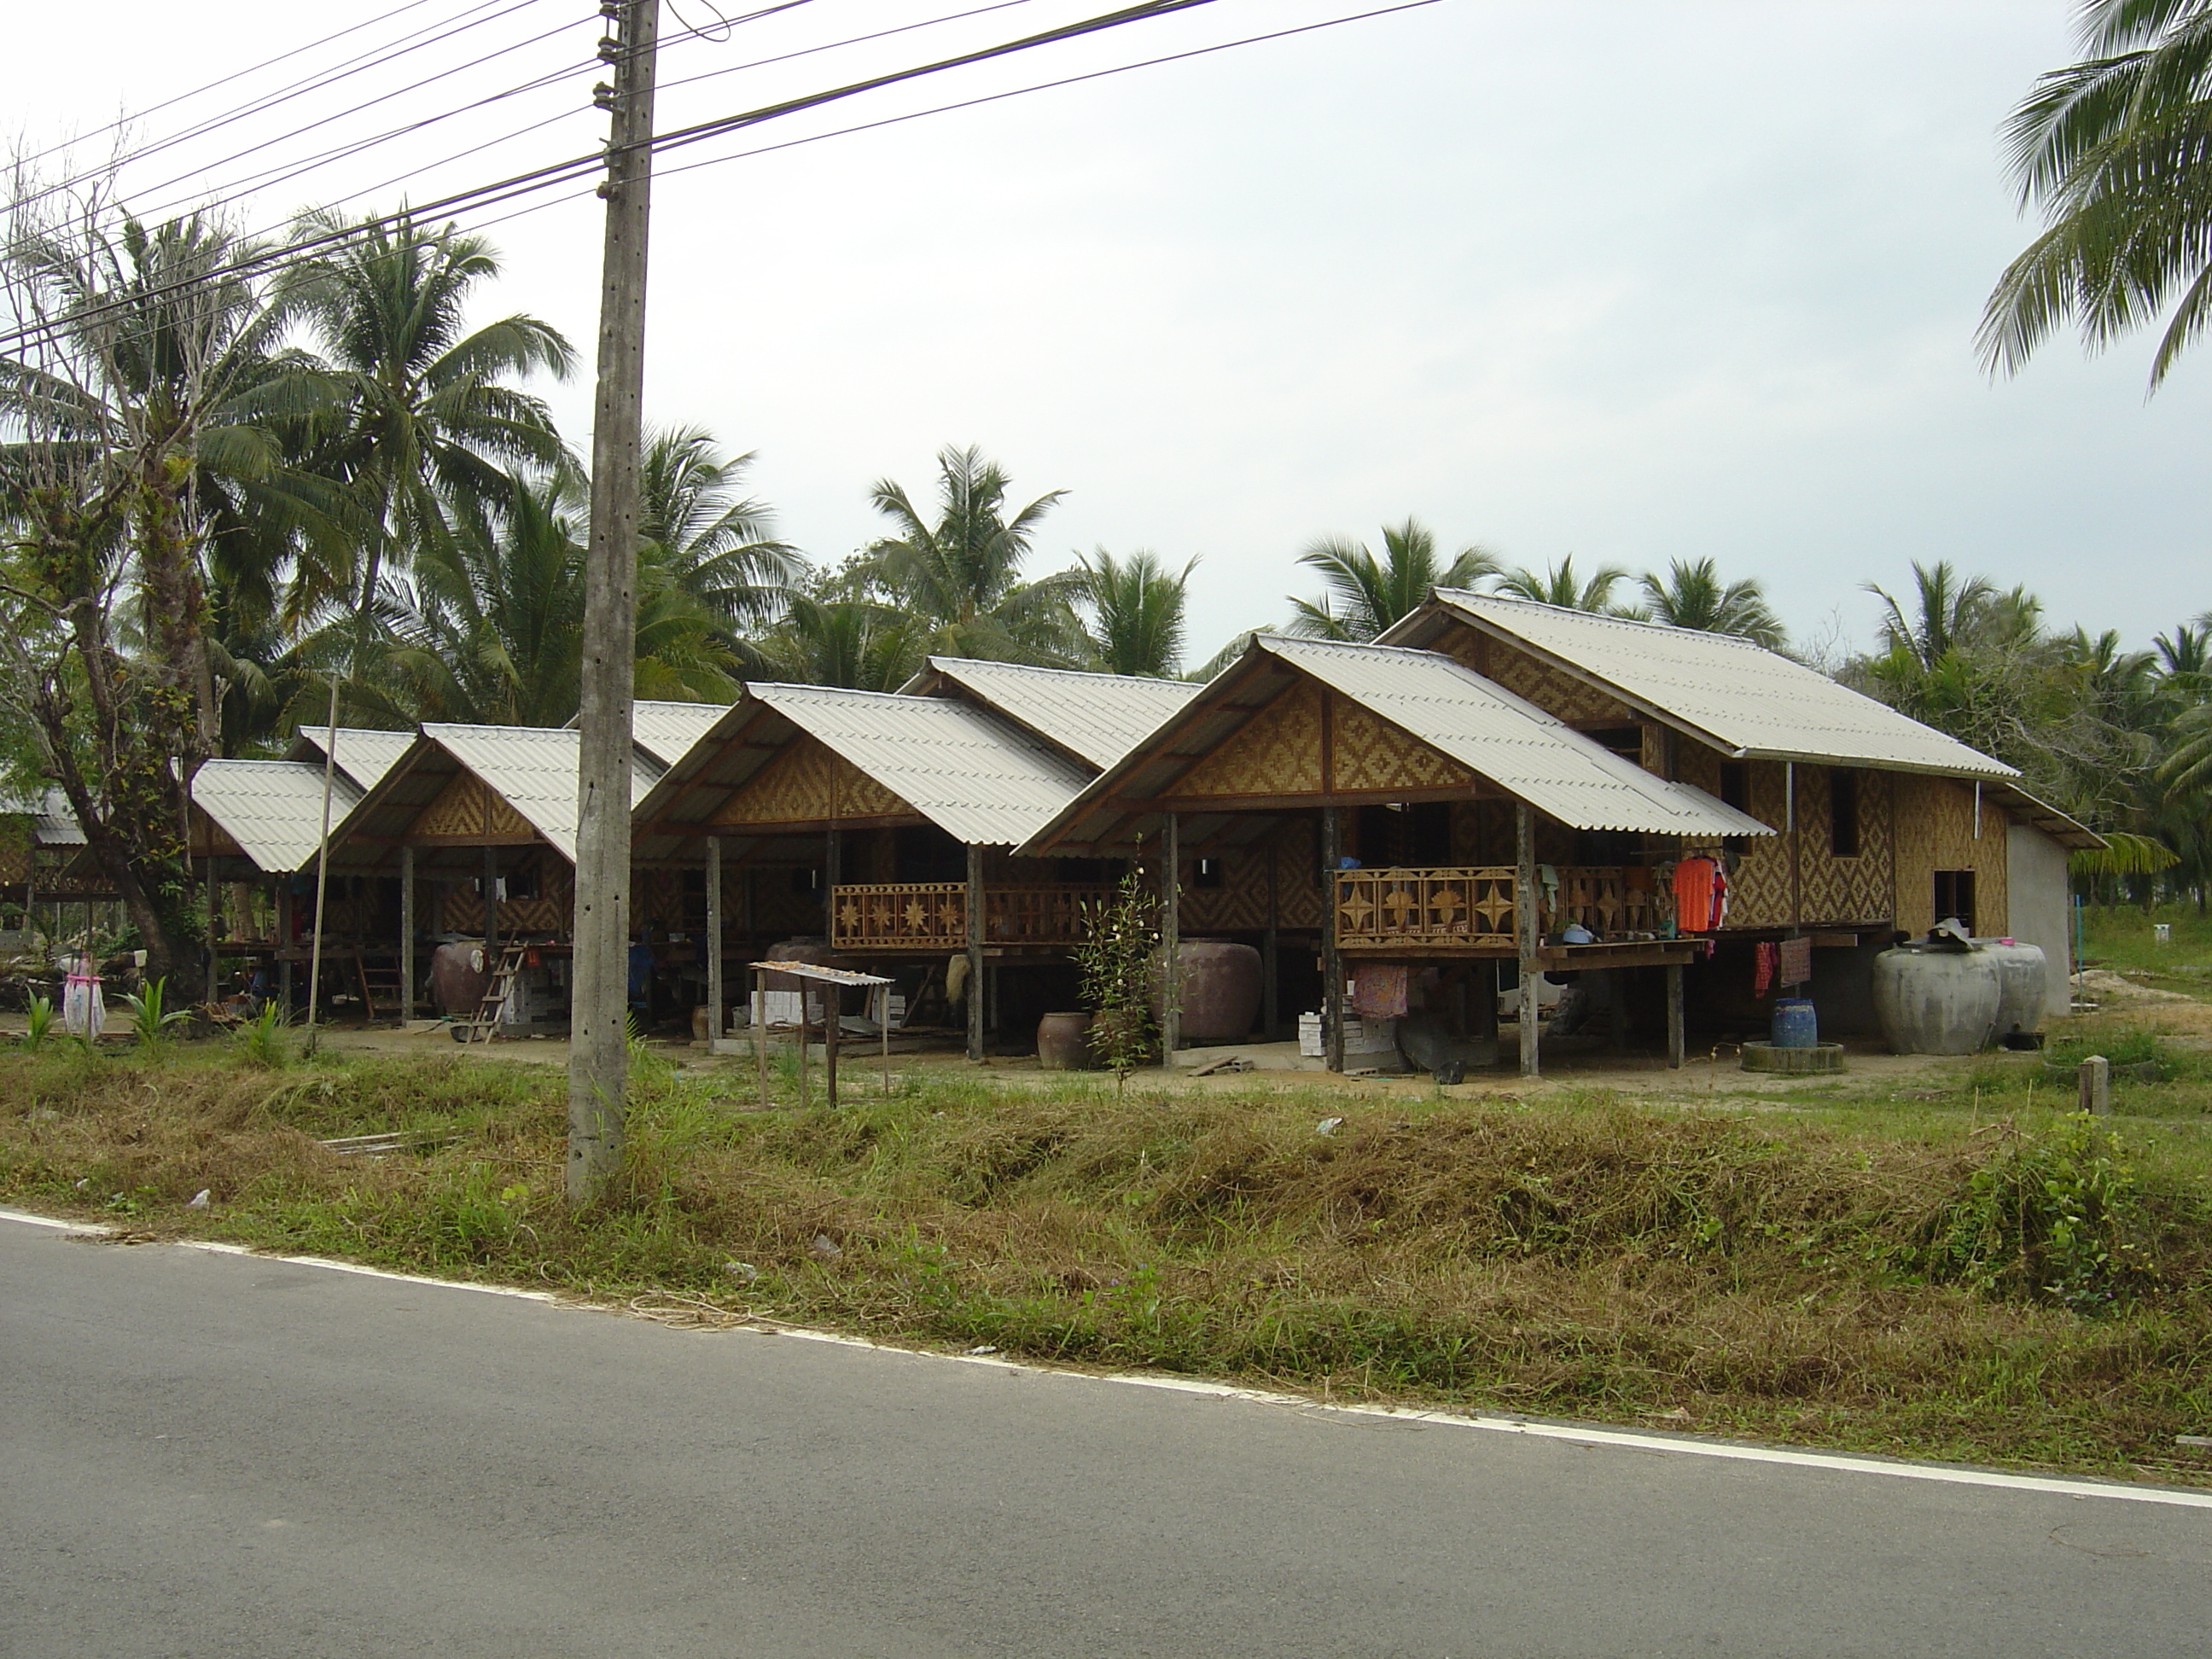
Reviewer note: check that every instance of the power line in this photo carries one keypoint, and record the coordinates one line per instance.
(235, 74)
(315, 83)
(530, 183)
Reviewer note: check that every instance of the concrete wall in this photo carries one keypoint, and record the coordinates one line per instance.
(2036, 876)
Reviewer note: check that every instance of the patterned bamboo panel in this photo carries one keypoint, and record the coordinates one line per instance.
(1571, 700)
(1936, 831)
(1276, 752)
(1372, 755)
(1296, 850)
(1759, 886)
(466, 807)
(933, 915)
(1475, 907)
(807, 784)
(1239, 904)
(14, 848)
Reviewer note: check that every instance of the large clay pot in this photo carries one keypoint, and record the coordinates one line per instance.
(1220, 990)
(1063, 1042)
(458, 976)
(1937, 1002)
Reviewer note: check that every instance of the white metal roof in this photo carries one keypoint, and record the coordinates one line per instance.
(1098, 718)
(364, 754)
(273, 809)
(533, 769)
(1511, 742)
(666, 730)
(53, 823)
(976, 775)
(1748, 700)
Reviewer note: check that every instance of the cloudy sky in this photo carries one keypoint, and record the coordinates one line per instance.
(1634, 282)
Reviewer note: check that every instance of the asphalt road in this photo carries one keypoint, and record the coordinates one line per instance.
(211, 1454)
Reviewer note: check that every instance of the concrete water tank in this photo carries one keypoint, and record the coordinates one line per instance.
(1937, 1001)
(2023, 986)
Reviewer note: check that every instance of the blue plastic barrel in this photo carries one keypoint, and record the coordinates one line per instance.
(1795, 1025)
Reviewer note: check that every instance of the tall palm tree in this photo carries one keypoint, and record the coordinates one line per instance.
(422, 420)
(1561, 586)
(1138, 609)
(1364, 594)
(960, 571)
(2117, 151)
(488, 626)
(1692, 595)
(1946, 611)
(716, 543)
(859, 643)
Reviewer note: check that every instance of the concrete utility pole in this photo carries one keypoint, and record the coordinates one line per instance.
(598, 1056)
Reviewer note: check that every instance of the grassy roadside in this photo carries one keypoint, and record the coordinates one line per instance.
(1958, 1274)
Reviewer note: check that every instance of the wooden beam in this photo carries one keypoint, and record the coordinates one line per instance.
(1332, 964)
(714, 943)
(1528, 924)
(407, 930)
(1676, 1043)
(1171, 943)
(975, 953)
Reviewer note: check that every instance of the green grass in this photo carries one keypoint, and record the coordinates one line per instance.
(2122, 939)
(1961, 1273)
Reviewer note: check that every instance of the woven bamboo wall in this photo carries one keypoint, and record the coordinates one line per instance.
(1240, 904)
(1936, 831)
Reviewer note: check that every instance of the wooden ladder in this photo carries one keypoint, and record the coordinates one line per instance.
(485, 1024)
(381, 991)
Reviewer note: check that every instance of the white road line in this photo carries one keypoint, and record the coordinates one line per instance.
(1945, 1474)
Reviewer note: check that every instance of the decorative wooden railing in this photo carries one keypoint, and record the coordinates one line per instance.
(1476, 906)
(933, 915)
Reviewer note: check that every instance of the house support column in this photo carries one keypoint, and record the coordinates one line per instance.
(214, 903)
(283, 940)
(1676, 1044)
(406, 933)
(714, 1025)
(1527, 928)
(975, 1000)
(491, 914)
(1271, 1009)
(1171, 941)
(1332, 964)
(833, 852)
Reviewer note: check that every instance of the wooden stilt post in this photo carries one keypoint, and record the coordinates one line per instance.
(213, 967)
(760, 1030)
(1271, 1000)
(832, 856)
(1332, 965)
(832, 1018)
(1171, 943)
(1527, 928)
(407, 930)
(1676, 1042)
(714, 943)
(283, 940)
(802, 1045)
(975, 954)
(885, 1033)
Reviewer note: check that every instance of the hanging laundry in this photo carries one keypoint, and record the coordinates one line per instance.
(1378, 989)
(1766, 960)
(1795, 960)
(1701, 895)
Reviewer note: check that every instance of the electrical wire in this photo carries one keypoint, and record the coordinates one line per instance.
(235, 74)
(529, 183)
(314, 82)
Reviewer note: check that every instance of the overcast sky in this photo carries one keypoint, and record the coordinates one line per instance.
(1635, 281)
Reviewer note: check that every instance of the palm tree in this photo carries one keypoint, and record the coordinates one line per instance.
(2117, 150)
(855, 642)
(960, 575)
(421, 419)
(1948, 611)
(716, 544)
(1692, 595)
(487, 627)
(1136, 608)
(1366, 595)
(1560, 585)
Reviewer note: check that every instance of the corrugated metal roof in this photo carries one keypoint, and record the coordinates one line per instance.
(533, 769)
(666, 730)
(976, 775)
(1097, 717)
(56, 825)
(365, 753)
(1511, 742)
(273, 809)
(1751, 701)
